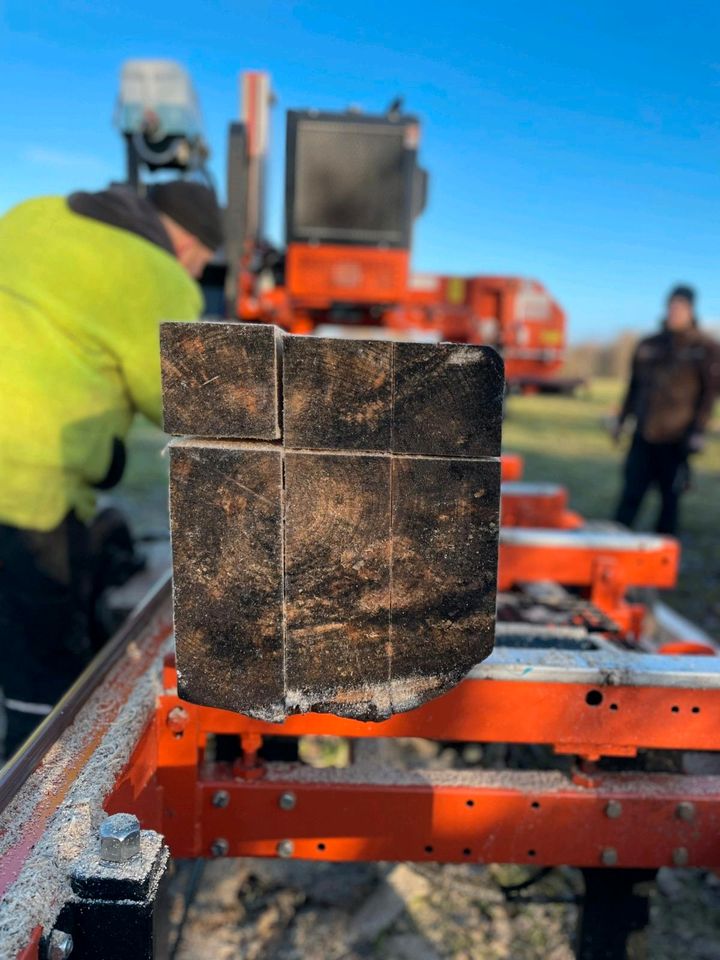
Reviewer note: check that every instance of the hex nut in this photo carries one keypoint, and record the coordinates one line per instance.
(221, 799)
(60, 945)
(177, 720)
(120, 837)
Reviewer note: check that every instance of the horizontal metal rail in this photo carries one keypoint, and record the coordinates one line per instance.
(17, 770)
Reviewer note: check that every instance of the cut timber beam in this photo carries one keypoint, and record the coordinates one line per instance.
(350, 565)
(220, 380)
(226, 526)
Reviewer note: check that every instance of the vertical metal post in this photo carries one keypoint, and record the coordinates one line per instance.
(615, 908)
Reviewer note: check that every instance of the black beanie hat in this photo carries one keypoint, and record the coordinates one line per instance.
(191, 205)
(682, 292)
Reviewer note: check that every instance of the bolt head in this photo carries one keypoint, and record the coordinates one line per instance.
(60, 945)
(285, 849)
(680, 857)
(219, 847)
(287, 801)
(685, 811)
(609, 857)
(120, 837)
(177, 719)
(221, 799)
(613, 809)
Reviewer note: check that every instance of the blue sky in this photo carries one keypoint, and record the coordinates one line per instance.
(575, 143)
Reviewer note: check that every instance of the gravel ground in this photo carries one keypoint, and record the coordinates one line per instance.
(306, 911)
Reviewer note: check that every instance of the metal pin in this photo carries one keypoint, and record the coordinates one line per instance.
(285, 849)
(219, 847)
(685, 811)
(680, 857)
(609, 857)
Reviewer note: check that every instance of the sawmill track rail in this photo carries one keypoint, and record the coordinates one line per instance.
(19, 767)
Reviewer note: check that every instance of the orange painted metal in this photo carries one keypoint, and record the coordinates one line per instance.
(612, 721)
(511, 466)
(32, 950)
(515, 314)
(605, 572)
(519, 819)
(323, 275)
(542, 509)
(480, 816)
(687, 648)
(601, 568)
(505, 816)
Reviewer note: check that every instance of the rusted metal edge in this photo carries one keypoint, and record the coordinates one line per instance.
(22, 764)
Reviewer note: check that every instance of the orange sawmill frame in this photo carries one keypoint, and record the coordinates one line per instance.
(584, 709)
(260, 809)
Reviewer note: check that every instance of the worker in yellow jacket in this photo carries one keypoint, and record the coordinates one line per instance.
(84, 284)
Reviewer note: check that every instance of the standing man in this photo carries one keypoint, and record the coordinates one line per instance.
(84, 284)
(673, 383)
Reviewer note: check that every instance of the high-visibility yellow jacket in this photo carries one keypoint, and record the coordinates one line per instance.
(80, 305)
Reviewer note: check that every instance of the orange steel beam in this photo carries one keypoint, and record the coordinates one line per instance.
(576, 718)
(492, 817)
(606, 565)
(448, 816)
(571, 562)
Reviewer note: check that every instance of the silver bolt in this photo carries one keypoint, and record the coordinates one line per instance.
(609, 857)
(287, 801)
(221, 799)
(685, 811)
(120, 837)
(613, 809)
(680, 857)
(60, 945)
(219, 847)
(285, 849)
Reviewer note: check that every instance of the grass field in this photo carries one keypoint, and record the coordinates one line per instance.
(562, 440)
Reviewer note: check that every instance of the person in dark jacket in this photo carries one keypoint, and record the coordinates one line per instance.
(673, 383)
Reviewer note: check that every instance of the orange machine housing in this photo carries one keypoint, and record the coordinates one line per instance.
(321, 275)
(349, 228)
(517, 316)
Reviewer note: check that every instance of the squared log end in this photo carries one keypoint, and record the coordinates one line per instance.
(221, 379)
(448, 400)
(336, 394)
